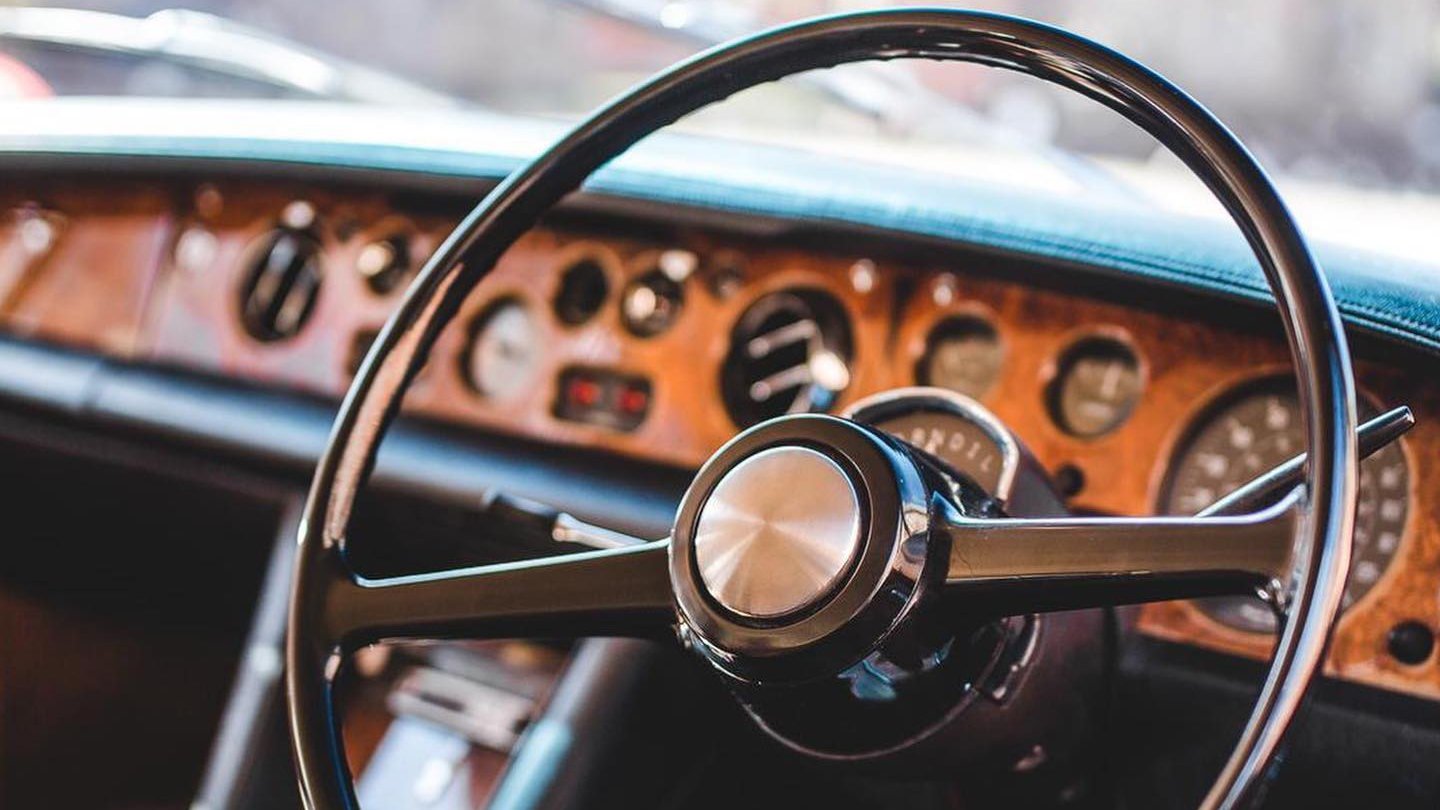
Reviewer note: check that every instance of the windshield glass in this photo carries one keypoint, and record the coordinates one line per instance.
(1339, 98)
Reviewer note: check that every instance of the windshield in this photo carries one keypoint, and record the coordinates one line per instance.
(1339, 98)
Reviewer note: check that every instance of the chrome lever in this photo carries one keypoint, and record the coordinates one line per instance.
(569, 529)
(534, 522)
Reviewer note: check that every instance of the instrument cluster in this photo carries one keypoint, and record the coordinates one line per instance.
(663, 343)
(1238, 433)
(791, 346)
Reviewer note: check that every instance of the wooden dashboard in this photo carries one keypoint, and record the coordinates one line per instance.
(158, 271)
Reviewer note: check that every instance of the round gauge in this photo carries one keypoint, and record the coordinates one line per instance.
(962, 354)
(959, 433)
(1096, 386)
(504, 350)
(1254, 430)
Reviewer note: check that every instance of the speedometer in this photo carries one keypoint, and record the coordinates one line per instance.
(1253, 430)
(951, 428)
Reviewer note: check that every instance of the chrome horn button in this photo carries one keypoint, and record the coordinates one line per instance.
(778, 532)
(800, 548)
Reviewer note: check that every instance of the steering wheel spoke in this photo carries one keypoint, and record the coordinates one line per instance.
(612, 592)
(1013, 565)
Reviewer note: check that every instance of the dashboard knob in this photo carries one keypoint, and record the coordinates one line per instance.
(1410, 643)
(651, 303)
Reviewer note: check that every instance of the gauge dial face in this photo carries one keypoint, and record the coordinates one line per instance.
(504, 352)
(958, 432)
(964, 446)
(1096, 387)
(962, 354)
(1254, 431)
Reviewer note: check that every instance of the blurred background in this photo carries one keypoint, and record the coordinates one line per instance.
(1340, 98)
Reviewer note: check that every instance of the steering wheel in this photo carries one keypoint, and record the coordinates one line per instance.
(886, 547)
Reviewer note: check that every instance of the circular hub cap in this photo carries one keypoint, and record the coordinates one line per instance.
(778, 532)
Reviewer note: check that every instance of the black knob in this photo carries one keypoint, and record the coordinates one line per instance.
(1069, 480)
(1411, 642)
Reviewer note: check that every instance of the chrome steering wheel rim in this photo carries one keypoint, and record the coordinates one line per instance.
(316, 644)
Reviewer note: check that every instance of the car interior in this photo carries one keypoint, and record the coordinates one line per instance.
(716, 404)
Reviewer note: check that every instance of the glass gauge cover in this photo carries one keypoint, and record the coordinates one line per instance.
(504, 350)
(956, 431)
(962, 354)
(1248, 433)
(1096, 386)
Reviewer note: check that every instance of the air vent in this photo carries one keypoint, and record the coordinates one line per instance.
(789, 353)
(281, 284)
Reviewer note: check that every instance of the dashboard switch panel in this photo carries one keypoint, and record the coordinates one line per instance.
(602, 397)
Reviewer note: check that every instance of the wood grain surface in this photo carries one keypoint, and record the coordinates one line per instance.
(113, 284)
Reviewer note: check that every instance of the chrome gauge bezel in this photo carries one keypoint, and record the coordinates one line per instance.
(876, 408)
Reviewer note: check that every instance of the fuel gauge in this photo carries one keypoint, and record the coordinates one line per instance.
(962, 354)
(1096, 386)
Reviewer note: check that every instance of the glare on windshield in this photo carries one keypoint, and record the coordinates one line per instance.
(1331, 94)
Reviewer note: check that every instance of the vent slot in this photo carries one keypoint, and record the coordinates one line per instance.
(281, 285)
(789, 353)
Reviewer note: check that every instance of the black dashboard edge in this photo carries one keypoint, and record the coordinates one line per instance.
(283, 432)
(1358, 746)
